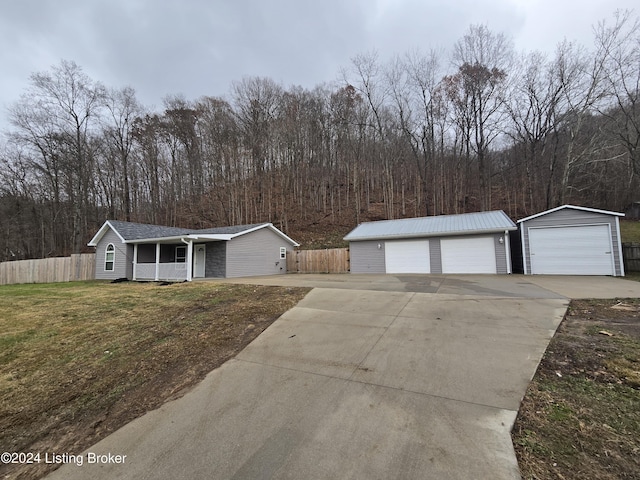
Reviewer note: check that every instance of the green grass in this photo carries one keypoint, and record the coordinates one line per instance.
(631, 276)
(72, 354)
(630, 231)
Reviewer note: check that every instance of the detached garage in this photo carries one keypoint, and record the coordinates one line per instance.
(466, 243)
(572, 240)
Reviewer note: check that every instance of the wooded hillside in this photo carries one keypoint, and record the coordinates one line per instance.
(424, 133)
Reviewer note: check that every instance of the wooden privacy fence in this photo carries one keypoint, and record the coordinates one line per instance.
(49, 270)
(331, 260)
(631, 256)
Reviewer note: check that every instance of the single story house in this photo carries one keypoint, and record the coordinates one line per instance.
(152, 252)
(570, 240)
(465, 243)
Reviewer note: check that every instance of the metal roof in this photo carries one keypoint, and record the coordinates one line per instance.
(441, 225)
(572, 207)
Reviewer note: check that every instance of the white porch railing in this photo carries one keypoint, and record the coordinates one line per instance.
(166, 271)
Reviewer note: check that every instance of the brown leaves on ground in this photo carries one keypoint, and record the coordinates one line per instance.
(580, 417)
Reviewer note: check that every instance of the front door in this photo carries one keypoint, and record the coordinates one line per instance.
(199, 261)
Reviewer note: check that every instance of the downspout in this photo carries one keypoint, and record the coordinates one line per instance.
(620, 255)
(524, 253)
(157, 262)
(507, 247)
(135, 261)
(189, 244)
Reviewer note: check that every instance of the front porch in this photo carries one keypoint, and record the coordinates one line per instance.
(162, 261)
(177, 262)
(170, 272)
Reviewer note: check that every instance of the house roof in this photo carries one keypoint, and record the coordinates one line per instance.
(130, 232)
(573, 207)
(462, 224)
(138, 231)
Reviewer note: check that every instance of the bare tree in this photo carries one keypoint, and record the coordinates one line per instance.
(123, 109)
(56, 119)
(534, 103)
(620, 47)
(483, 60)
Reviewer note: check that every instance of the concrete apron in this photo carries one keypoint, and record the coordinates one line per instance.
(353, 384)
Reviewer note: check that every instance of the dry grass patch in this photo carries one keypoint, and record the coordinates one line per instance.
(79, 360)
(580, 417)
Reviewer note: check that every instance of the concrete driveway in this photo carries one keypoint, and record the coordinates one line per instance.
(368, 377)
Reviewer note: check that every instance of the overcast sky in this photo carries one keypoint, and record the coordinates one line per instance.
(199, 47)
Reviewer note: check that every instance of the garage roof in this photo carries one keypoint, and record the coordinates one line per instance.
(441, 225)
(572, 207)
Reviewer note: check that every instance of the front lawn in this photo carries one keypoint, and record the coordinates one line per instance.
(79, 360)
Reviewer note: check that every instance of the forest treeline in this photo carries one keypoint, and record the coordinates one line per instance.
(424, 133)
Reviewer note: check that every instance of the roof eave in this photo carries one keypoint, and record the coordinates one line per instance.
(103, 229)
(431, 235)
(172, 238)
(574, 207)
(211, 236)
(270, 227)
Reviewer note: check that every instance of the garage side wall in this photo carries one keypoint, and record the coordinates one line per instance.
(366, 257)
(501, 253)
(570, 217)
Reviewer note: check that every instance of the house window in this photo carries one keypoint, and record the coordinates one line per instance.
(283, 252)
(109, 258)
(181, 254)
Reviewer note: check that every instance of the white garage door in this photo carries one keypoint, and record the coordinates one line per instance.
(579, 250)
(468, 255)
(407, 256)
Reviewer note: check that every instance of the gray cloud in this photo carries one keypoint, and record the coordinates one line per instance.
(199, 47)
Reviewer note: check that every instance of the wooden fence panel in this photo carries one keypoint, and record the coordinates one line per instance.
(331, 260)
(49, 270)
(631, 256)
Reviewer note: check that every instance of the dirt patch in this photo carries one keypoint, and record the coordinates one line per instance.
(580, 417)
(78, 363)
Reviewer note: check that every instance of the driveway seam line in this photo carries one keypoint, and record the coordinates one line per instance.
(386, 329)
(398, 389)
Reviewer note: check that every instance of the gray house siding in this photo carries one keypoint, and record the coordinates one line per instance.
(501, 253)
(123, 258)
(366, 257)
(256, 253)
(570, 217)
(215, 265)
(435, 252)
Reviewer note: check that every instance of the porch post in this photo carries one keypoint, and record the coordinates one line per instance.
(189, 260)
(157, 262)
(135, 260)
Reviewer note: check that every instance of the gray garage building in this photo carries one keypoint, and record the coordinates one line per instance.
(571, 240)
(465, 243)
